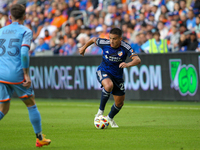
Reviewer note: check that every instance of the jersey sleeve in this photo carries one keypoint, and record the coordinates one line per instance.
(131, 53)
(28, 35)
(102, 42)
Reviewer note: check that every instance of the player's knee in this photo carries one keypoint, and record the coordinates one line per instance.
(108, 87)
(119, 104)
(4, 107)
(30, 101)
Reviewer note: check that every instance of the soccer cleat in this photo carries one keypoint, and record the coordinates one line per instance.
(112, 123)
(99, 113)
(40, 143)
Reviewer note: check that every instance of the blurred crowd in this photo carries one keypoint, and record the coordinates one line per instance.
(62, 26)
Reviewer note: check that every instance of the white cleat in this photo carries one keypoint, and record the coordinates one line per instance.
(99, 113)
(112, 123)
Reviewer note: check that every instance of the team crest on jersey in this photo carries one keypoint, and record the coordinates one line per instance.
(104, 75)
(120, 53)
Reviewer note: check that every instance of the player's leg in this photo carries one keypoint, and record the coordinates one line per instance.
(107, 85)
(4, 108)
(35, 119)
(5, 95)
(34, 116)
(119, 97)
(27, 96)
(116, 107)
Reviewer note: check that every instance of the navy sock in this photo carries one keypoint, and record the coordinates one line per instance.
(1, 115)
(104, 98)
(35, 118)
(114, 110)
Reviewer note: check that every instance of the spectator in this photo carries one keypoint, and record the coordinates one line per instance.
(192, 42)
(176, 15)
(72, 24)
(183, 7)
(69, 48)
(41, 18)
(143, 38)
(136, 44)
(197, 27)
(156, 12)
(132, 33)
(47, 8)
(56, 47)
(126, 19)
(162, 30)
(71, 7)
(149, 35)
(108, 20)
(36, 27)
(174, 40)
(177, 7)
(47, 37)
(42, 46)
(59, 19)
(104, 33)
(46, 26)
(182, 44)
(2, 19)
(191, 21)
(183, 19)
(67, 32)
(155, 45)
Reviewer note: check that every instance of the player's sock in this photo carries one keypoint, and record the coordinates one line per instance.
(114, 110)
(1, 115)
(35, 118)
(104, 98)
(39, 136)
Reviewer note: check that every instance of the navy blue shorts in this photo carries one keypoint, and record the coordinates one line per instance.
(118, 88)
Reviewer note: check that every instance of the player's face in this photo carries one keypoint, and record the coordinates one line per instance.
(115, 40)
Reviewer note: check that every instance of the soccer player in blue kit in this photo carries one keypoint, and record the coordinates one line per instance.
(110, 71)
(15, 40)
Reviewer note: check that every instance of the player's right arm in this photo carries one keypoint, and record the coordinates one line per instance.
(90, 42)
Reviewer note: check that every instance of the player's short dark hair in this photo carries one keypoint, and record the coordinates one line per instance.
(116, 31)
(17, 11)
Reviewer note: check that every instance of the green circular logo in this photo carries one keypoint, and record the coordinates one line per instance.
(188, 80)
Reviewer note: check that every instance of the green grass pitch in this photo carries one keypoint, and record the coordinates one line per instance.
(69, 124)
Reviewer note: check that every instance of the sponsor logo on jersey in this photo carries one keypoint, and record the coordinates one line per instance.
(104, 75)
(120, 53)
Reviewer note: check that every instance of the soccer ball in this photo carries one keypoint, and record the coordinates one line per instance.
(101, 122)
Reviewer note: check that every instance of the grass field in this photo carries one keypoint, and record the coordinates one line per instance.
(69, 124)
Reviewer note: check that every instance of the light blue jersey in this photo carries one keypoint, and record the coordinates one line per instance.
(12, 38)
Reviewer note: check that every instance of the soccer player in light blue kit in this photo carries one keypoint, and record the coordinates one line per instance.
(15, 40)
(110, 71)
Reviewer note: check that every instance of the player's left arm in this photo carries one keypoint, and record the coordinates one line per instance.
(26, 42)
(135, 61)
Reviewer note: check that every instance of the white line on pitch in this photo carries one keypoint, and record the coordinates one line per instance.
(90, 105)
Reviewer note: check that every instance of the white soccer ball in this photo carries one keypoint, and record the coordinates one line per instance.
(101, 122)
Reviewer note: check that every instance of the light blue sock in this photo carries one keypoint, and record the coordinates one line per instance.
(35, 118)
(1, 115)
